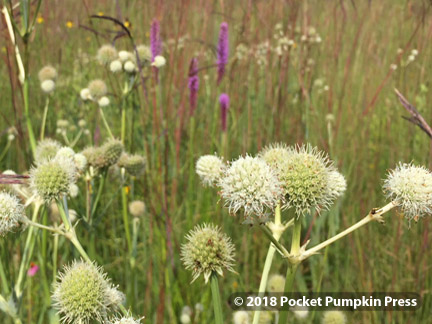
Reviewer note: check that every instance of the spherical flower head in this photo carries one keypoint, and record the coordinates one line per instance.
(94, 157)
(305, 177)
(210, 169)
(334, 317)
(48, 86)
(133, 164)
(266, 318)
(144, 53)
(73, 190)
(125, 55)
(106, 54)
(80, 162)
(46, 149)
(276, 283)
(11, 213)
(97, 88)
(275, 155)
(111, 151)
(411, 187)
(137, 208)
(207, 251)
(51, 179)
(159, 61)
(104, 101)
(241, 317)
(116, 66)
(126, 320)
(83, 294)
(85, 94)
(130, 67)
(47, 73)
(336, 184)
(250, 184)
(65, 151)
(300, 312)
(185, 319)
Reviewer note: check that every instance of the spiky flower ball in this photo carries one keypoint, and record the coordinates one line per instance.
(137, 208)
(48, 86)
(336, 184)
(275, 155)
(130, 67)
(144, 53)
(116, 66)
(210, 169)
(411, 187)
(207, 251)
(126, 320)
(46, 149)
(334, 317)
(305, 177)
(51, 179)
(83, 293)
(106, 54)
(97, 88)
(47, 73)
(11, 213)
(250, 184)
(103, 101)
(80, 162)
(159, 61)
(133, 164)
(276, 283)
(241, 317)
(111, 151)
(65, 152)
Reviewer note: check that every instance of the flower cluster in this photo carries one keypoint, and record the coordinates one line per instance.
(47, 77)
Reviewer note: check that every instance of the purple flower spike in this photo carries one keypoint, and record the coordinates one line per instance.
(224, 105)
(222, 50)
(155, 41)
(193, 85)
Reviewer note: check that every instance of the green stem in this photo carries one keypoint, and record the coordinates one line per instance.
(5, 150)
(217, 305)
(3, 278)
(105, 123)
(42, 132)
(99, 193)
(126, 219)
(292, 268)
(27, 117)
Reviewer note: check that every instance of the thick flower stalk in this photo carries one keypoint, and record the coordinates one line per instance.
(193, 85)
(222, 51)
(155, 41)
(224, 102)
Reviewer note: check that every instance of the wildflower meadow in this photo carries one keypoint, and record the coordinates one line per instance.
(217, 162)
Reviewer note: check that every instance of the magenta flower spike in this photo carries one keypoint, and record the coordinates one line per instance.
(155, 41)
(193, 85)
(222, 51)
(224, 105)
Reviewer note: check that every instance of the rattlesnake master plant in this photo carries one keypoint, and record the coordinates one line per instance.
(207, 251)
(334, 317)
(53, 178)
(83, 294)
(249, 183)
(411, 187)
(106, 54)
(11, 213)
(133, 164)
(47, 73)
(46, 149)
(209, 168)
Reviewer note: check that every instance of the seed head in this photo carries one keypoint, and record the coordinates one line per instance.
(250, 184)
(97, 88)
(411, 187)
(210, 169)
(106, 54)
(46, 149)
(133, 164)
(83, 293)
(305, 177)
(47, 73)
(334, 317)
(111, 151)
(11, 213)
(207, 251)
(137, 208)
(51, 179)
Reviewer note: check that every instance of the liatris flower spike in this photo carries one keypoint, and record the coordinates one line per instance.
(222, 51)
(411, 188)
(193, 85)
(155, 41)
(224, 102)
(207, 251)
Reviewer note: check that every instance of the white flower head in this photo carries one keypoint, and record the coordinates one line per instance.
(411, 187)
(48, 86)
(85, 94)
(334, 317)
(241, 317)
(11, 213)
(209, 168)
(250, 184)
(159, 61)
(336, 184)
(104, 101)
(116, 66)
(130, 67)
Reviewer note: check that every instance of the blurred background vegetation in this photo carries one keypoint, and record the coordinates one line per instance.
(313, 71)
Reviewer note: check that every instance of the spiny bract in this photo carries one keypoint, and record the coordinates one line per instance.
(11, 213)
(411, 187)
(53, 178)
(209, 168)
(250, 184)
(305, 175)
(207, 251)
(83, 293)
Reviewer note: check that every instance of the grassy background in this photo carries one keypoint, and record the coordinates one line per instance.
(278, 100)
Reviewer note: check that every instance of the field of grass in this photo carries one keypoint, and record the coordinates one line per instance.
(331, 86)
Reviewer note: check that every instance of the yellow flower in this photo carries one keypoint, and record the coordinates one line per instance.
(147, 34)
(127, 24)
(100, 13)
(69, 24)
(40, 19)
